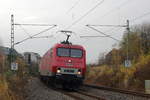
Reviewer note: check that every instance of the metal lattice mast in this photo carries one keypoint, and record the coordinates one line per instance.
(12, 38)
(128, 31)
(127, 61)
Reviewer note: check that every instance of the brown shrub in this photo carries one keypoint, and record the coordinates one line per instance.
(132, 78)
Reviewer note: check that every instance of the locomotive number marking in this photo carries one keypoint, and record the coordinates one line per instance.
(72, 71)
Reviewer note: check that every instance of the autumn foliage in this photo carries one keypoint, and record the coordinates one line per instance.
(111, 70)
(11, 82)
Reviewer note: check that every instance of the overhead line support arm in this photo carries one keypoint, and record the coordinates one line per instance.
(109, 25)
(35, 35)
(102, 33)
(34, 24)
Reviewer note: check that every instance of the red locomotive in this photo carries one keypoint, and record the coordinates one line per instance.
(64, 64)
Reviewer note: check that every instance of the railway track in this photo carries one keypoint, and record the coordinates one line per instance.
(80, 95)
(91, 95)
(93, 92)
(118, 90)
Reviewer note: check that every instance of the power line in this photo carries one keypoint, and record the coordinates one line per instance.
(35, 35)
(24, 30)
(75, 22)
(114, 9)
(35, 24)
(110, 30)
(110, 25)
(74, 6)
(128, 31)
(127, 26)
(49, 36)
(92, 36)
(114, 26)
(102, 33)
(31, 25)
(141, 16)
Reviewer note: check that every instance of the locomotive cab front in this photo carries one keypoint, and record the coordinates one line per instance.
(70, 64)
(64, 64)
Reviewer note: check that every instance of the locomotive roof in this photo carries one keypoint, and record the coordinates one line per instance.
(68, 45)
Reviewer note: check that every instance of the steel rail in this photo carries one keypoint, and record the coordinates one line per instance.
(118, 90)
(76, 96)
(90, 95)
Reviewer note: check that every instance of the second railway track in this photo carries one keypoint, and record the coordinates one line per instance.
(36, 90)
(118, 90)
(115, 94)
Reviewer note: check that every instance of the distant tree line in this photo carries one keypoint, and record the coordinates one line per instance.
(138, 44)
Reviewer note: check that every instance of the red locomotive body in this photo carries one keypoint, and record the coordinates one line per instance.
(65, 64)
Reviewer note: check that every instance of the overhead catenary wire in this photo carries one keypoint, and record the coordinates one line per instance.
(109, 25)
(113, 27)
(89, 11)
(35, 35)
(121, 5)
(35, 24)
(141, 16)
(92, 36)
(65, 32)
(48, 36)
(25, 30)
(110, 30)
(102, 33)
(115, 9)
(76, 3)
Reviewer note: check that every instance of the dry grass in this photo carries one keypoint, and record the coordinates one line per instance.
(5, 92)
(12, 89)
(127, 78)
(12, 84)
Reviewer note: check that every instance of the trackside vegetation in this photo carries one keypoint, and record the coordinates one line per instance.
(12, 82)
(111, 70)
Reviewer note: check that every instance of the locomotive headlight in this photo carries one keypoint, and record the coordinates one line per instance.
(79, 71)
(58, 70)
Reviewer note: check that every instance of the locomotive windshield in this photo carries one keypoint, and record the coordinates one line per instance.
(69, 52)
(64, 52)
(76, 53)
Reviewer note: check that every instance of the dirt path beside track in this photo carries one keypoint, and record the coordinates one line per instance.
(36, 90)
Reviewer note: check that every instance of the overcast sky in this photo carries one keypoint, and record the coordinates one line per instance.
(65, 12)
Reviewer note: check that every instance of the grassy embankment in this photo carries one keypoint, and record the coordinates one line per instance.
(131, 78)
(113, 73)
(12, 83)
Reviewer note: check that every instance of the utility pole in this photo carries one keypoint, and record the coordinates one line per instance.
(128, 32)
(12, 63)
(12, 39)
(127, 61)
